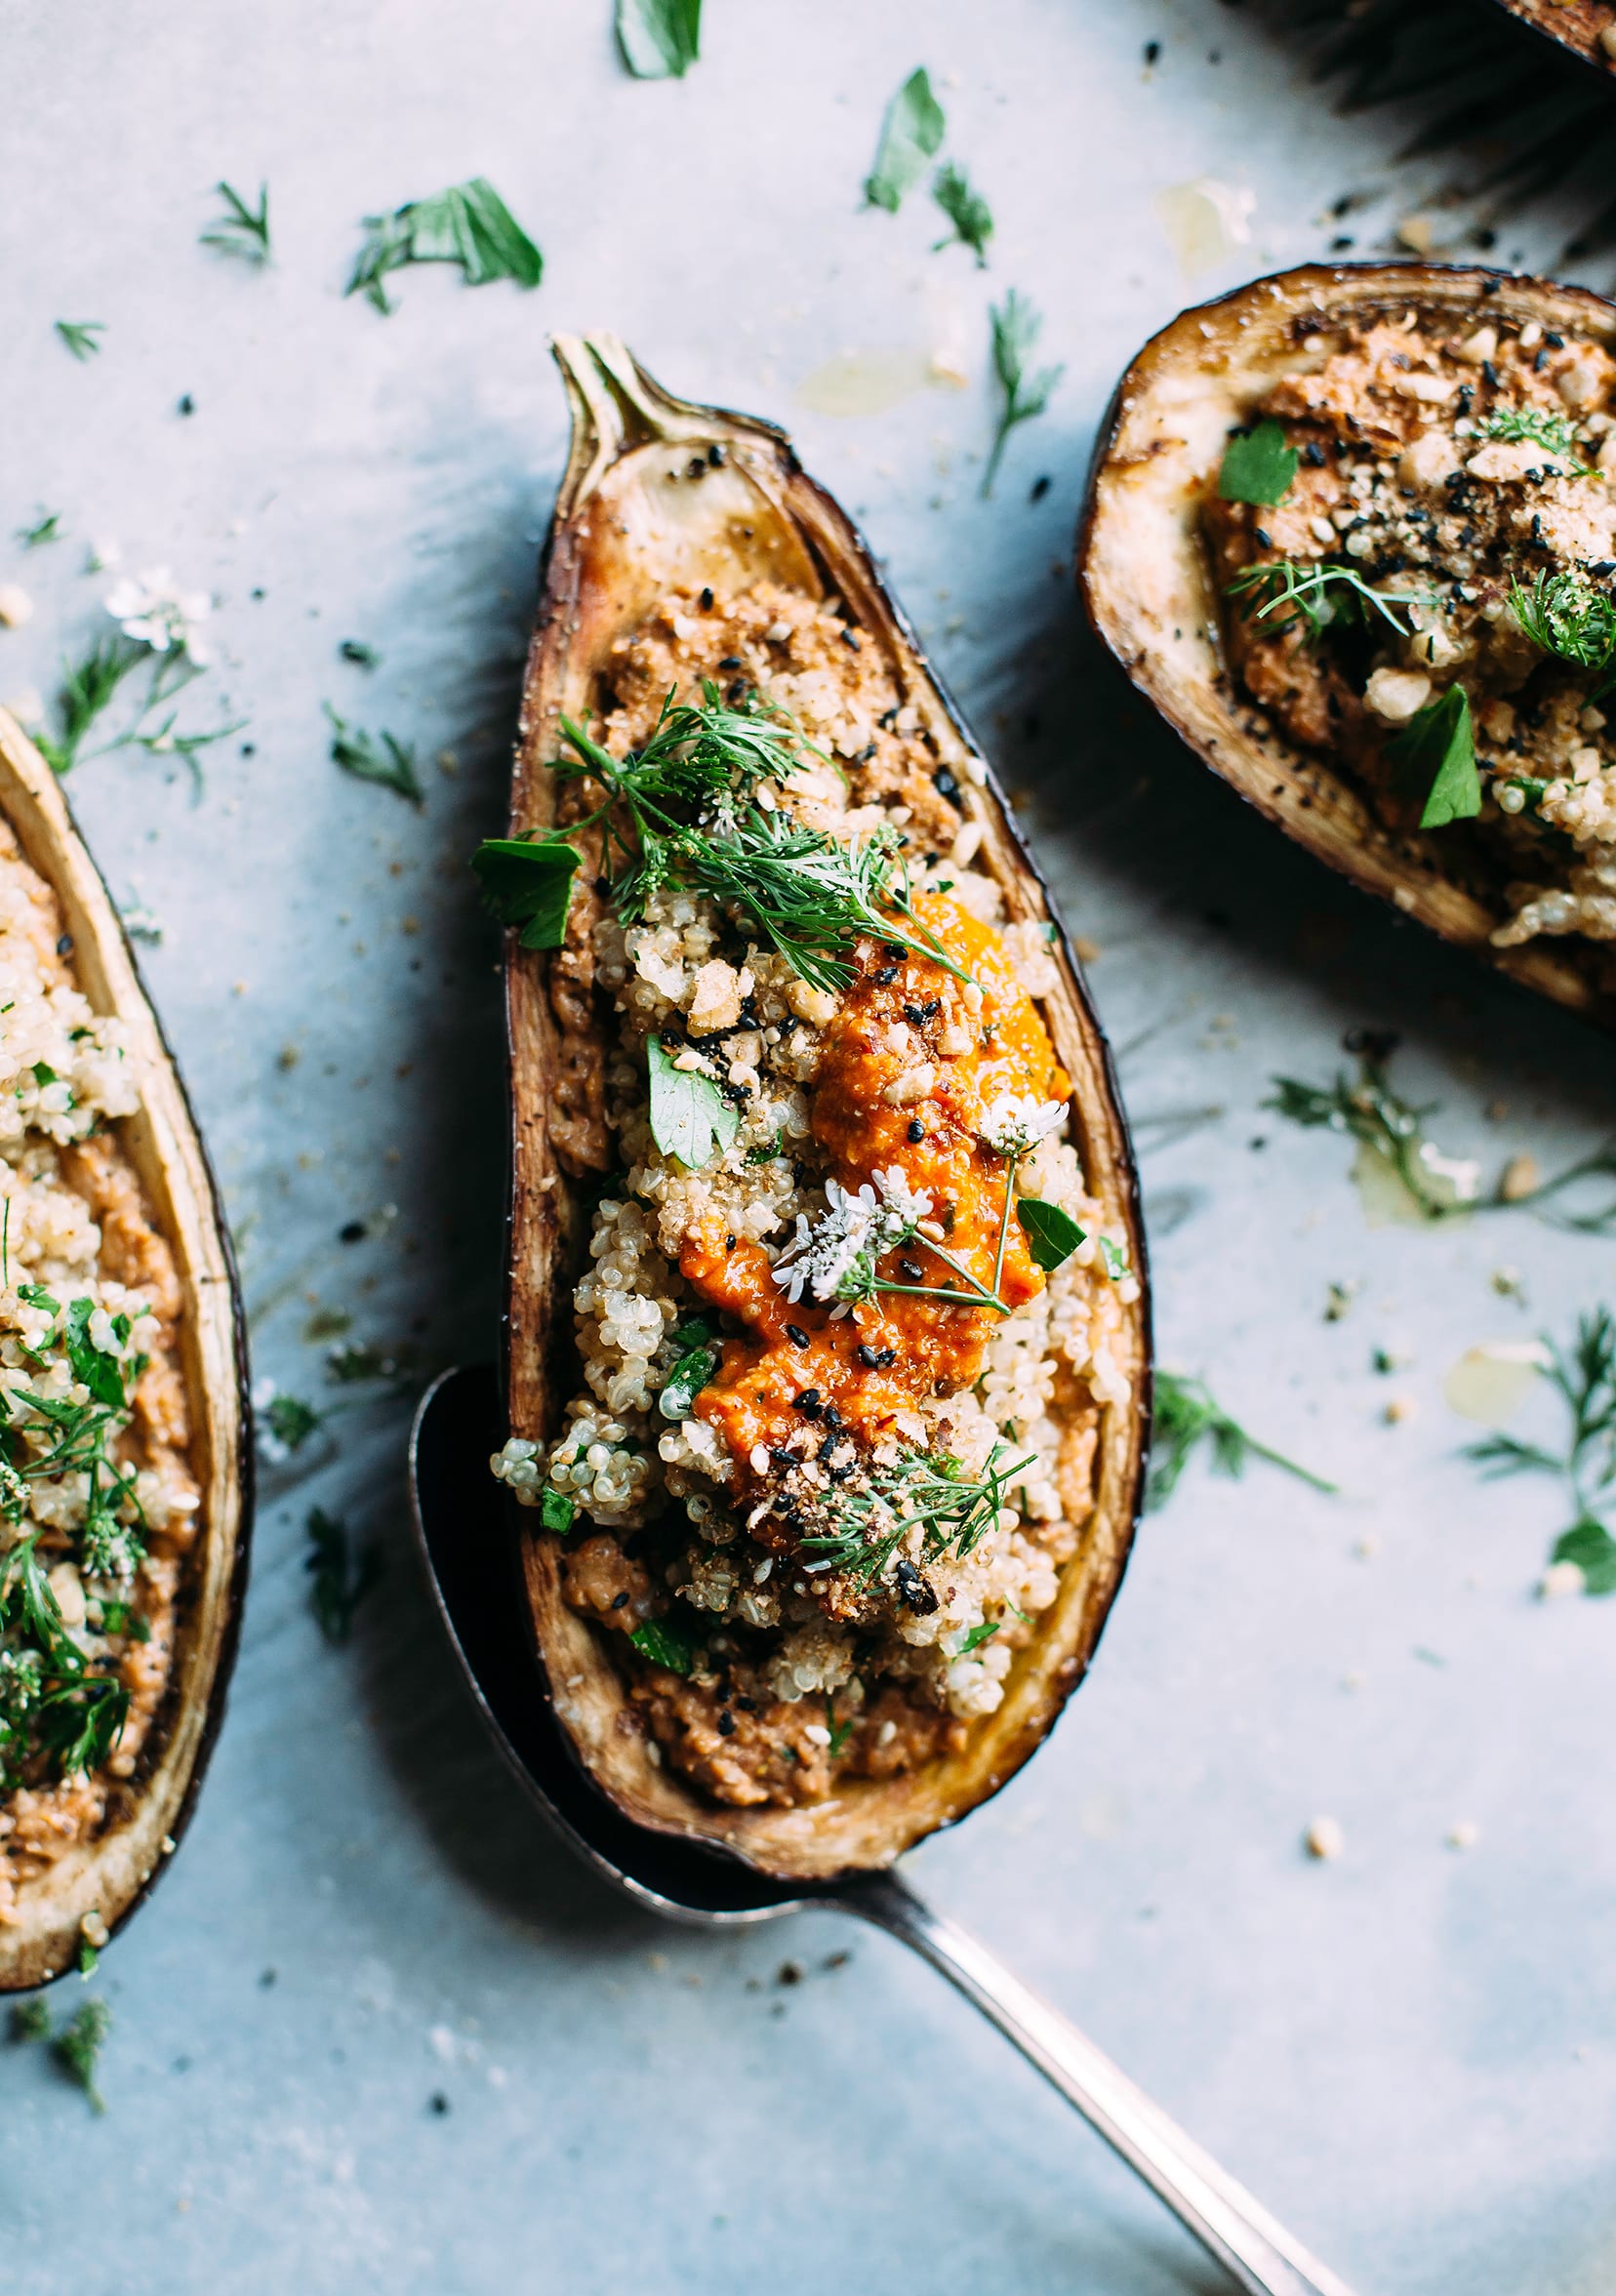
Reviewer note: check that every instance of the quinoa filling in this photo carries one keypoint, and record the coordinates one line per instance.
(1416, 570)
(842, 1358)
(97, 1498)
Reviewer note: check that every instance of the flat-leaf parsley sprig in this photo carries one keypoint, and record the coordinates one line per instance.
(1016, 328)
(1583, 1375)
(683, 809)
(1317, 592)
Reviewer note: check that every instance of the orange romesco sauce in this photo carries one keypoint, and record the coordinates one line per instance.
(936, 1348)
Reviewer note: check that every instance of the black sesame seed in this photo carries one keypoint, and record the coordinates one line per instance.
(352, 1234)
(619, 1601)
(188, 405)
(1040, 487)
(695, 468)
(916, 1593)
(1152, 54)
(748, 1705)
(797, 1338)
(65, 946)
(716, 457)
(851, 637)
(603, 886)
(726, 1726)
(913, 1014)
(911, 1269)
(1490, 373)
(1554, 341)
(1539, 362)
(1312, 454)
(438, 2103)
(832, 1417)
(945, 785)
(808, 1403)
(729, 661)
(728, 1243)
(931, 1008)
(916, 1130)
(706, 601)
(1265, 537)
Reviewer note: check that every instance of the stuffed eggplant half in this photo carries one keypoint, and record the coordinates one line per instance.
(123, 1452)
(827, 1341)
(1353, 531)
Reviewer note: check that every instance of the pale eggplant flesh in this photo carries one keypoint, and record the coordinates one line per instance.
(110, 1875)
(1148, 586)
(631, 522)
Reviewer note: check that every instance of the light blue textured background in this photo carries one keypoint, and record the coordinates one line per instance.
(1410, 2054)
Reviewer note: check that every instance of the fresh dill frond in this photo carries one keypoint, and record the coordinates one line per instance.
(1539, 425)
(1318, 592)
(80, 336)
(392, 764)
(1569, 616)
(1016, 328)
(88, 687)
(1583, 1376)
(47, 528)
(924, 1491)
(77, 2048)
(341, 1577)
(241, 231)
(966, 210)
(166, 742)
(1184, 1417)
(468, 225)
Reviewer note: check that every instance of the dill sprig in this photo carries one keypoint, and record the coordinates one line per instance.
(1017, 326)
(80, 336)
(925, 1491)
(1540, 427)
(88, 687)
(1184, 1417)
(1569, 615)
(392, 763)
(1583, 1376)
(1317, 593)
(1370, 1109)
(241, 231)
(77, 2048)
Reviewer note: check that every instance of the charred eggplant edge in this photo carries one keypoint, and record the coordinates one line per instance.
(115, 1873)
(1300, 792)
(618, 409)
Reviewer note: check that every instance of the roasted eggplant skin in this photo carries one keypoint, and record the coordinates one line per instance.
(615, 547)
(113, 1875)
(1147, 585)
(1575, 26)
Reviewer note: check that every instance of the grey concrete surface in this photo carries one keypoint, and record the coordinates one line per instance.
(1411, 2052)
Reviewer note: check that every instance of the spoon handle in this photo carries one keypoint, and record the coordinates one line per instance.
(1259, 2253)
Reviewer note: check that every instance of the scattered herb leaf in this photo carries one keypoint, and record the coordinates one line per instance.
(768, 1151)
(340, 1580)
(912, 133)
(1583, 1376)
(1114, 1258)
(966, 210)
(362, 657)
(1184, 1417)
(1566, 614)
(241, 231)
(665, 1644)
(47, 528)
(392, 765)
(468, 225)
(79, 334)
(690, 1117)
(1540, 427)
(1433, 760)
(692, 1369)
(30, 2021)
(290, 1421)
(1052, 1235)
(87, 686)
(980, 1633)
(528, 884)
(658, 39)
(1258, 465)
(1016, 328)
(1318, 592)
(556, 1511)
(77, 2048)
(1590, 1547)
(923, 1491)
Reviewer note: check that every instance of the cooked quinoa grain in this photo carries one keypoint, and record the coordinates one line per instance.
(835, 1428)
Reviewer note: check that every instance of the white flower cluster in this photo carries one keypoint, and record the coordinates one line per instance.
(1015, 1122)
(834, 1257)
(148, 609)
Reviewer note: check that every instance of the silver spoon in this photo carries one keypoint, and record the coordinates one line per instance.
(465, 1543)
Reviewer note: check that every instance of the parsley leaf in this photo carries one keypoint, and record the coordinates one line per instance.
(665, 1644)
(1052, 1235)
(1436, 754)
(79, 334)
(393, 765)
(528, 883)
(966, 210)
(468, 225)
(1590, 1547)
(658, 39)
(1257, 466)
(690, 1117)
(342, 1580)
(362, 657)
(241, 231)
(912, 133)
(1017, 326)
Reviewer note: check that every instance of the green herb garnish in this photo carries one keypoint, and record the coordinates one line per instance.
(658, 39)
(966, 210)
(290, 1421)
(1317, 592)
(690, 1117)
(79, 334)
(1569, 615)
(924, 1491)
(88, 687)
(362, 657)
(982, 1632)
(30, 2021)
(556, 1510)
(1114, 1258)
(1016, 327)
(77, 2048)
(767, 1151)
(528, 882)
(1184, 1417)
(47, 528)
(468, 225)
(340, 1578)
(1542, 426)
(693, 1367)
(1052, 1235)
(1433, 760)
(1583, 1376)
(840, 1732)
(912, 133)
(1258, 465)
(241, 231)
(394, 764)
(664, 1642)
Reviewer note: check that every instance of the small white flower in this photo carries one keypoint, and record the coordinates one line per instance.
(835, 1255)
(1015, 1123)
(148, 609)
